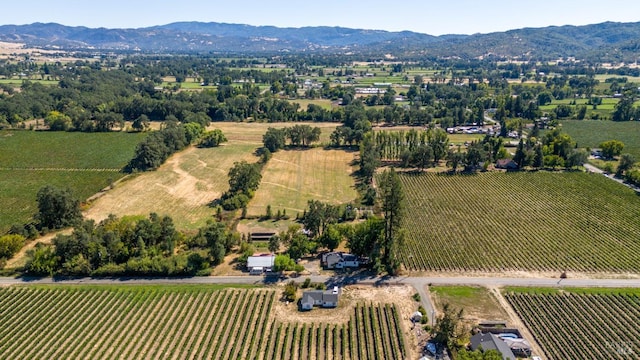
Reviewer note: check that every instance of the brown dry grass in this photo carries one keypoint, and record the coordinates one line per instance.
(291, 178)
(189, 181)
(182, 188)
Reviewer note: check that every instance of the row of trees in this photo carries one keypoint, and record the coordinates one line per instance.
(132, 245)
(298, 135)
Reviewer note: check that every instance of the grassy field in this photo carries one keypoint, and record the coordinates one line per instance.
(496, 222)
(477, 302)
(604, 323)
(185, 322)
(592, 133)
(186, 185)
(30, 160)
(293, 177)
(304, 103)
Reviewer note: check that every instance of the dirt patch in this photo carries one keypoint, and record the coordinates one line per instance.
(19, 259)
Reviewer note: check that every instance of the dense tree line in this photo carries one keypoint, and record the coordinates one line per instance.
(132, 245)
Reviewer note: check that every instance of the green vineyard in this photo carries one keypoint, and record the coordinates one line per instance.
(181, 323)
(520, 221)
(582, 325)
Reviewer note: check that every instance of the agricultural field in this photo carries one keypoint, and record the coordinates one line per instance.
(581, 323)
(30, 160)
(293, 177)
(542, 221)
(189, 181)
(183, 322)
(589, 133)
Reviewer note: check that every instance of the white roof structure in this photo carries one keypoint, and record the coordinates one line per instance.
(266, 261)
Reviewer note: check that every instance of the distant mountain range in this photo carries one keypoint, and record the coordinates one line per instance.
(609, 41)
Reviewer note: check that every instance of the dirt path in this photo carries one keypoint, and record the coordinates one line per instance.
(516, 322)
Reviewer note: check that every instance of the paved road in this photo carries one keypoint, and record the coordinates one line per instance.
(339, 280)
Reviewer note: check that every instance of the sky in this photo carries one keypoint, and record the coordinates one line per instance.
(424, 16)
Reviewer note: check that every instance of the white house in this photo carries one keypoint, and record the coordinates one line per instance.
(325, 299)
(339, 260)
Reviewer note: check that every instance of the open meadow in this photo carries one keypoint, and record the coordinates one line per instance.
(189, 181)
(590, 133)
(84, 162)
(580, 323)
(293, 177)
(523, 221)
(189, 322)
(477, 302)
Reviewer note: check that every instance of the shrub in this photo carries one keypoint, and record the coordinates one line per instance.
(416, 297)
(290, 291)
(10, 245)
(306, 283)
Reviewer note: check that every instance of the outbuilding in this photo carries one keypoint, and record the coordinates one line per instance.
(260, 264)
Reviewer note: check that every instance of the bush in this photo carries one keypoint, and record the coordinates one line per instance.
(416, 297)
(306, 283)
(290, 291)
(10, 245)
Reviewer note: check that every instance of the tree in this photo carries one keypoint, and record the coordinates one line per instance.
(274, 243)
(454, 159)
(192, 131)
(392, 197)
(626, 163)
(318, 216)
(141, 123)
(438, 140)
(213, 138)
(447, 329)
(623, 110)
(57, 208)
(57, 121)
(331, 238)
(274, 139)
(611, 148)
(244, 177)
(41, 260)
(576, 157)
(105, 121)
(421, 156)
(366, 237)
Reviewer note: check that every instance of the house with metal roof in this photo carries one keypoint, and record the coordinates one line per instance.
(260, 264)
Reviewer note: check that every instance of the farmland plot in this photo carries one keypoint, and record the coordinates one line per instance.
(293, 177)
(183, 322)
(581, 325)
(29, 160)
(541, 221)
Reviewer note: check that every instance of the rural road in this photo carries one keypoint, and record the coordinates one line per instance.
(337, 281)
